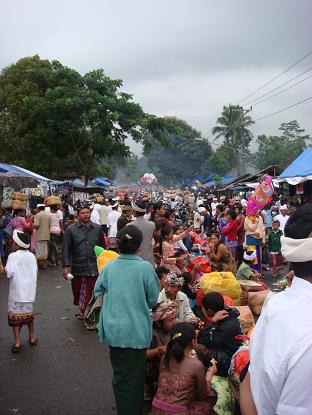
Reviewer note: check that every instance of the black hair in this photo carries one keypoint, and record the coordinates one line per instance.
(41, 208)
(53, 208)
(17, 211)
(129, 239)
(158, 226)
(187, 277)
(156, 207)
(179, 253)
(299, 226)
(214, 301)
(232, 214)
(168, 213)
(81, 207)
(160, 271)
(276, 221)
(71, 216)
(220, 207)
(24, 237)
(181, 336)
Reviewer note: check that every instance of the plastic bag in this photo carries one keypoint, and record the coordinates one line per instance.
(222, 282)
(103, 257)
(204, 264)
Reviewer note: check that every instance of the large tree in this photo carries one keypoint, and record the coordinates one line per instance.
(232, 127)
(187, 153)
(283, 149)
(62, 124)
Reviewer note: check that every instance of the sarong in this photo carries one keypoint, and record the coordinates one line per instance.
(42, 250)
(82, 288)
(19, 313)
(254, 244)
(128, 379)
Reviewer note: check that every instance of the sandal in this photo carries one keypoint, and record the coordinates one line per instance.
(15, 349)
(33, 342)
(90, 327)
(80, 316)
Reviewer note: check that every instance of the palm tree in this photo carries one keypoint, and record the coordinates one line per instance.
(232, 127)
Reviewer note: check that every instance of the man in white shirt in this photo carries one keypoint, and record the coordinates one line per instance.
(281, 343)
(103, 211)
(282, 217)
(112, 219)
(214, 205)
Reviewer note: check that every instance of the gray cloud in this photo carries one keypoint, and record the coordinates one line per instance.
(178, 57)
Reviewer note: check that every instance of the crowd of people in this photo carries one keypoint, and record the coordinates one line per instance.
(167, 340)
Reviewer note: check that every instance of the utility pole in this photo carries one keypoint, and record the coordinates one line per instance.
(241, 160)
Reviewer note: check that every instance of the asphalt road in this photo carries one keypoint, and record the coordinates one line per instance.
(68, 372)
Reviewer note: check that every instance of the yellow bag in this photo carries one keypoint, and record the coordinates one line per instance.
(103, 257)
(222, 282)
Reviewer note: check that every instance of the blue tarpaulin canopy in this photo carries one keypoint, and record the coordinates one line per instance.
(224, 181)
(300, 170)
(20, 171)
(102, 181)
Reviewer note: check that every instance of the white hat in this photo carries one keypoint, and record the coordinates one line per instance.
(201, 209)
(40, 205)
(244, 202)
(115, 205)
(21, 239)
(283, 207)
(250, 255)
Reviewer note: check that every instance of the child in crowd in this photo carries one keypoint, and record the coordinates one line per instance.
(164, 318)
(178, 243)
(167, 246)
(188, 286)
(184, 386)
(245, 272)
(274, 243)
(21, 269)
(162, 273)
(222, 333)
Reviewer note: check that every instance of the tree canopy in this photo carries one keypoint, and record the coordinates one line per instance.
(62, 124)
(281, 150)
(185, 158)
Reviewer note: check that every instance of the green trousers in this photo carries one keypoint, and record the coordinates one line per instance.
(128, 379)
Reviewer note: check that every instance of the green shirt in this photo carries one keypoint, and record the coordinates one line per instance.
(274, 241)
(130, 287)
(244, 272)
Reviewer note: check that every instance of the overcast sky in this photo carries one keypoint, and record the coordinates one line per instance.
(184, 58)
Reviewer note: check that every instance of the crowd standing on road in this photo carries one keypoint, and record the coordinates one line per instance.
(173, 302)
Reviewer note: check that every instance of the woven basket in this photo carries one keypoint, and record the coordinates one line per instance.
(52, 200)
(18, 204)
(19, 196)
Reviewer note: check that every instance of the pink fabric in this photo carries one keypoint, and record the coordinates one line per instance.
(55, 224)
(175, 409)
(19, 223)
